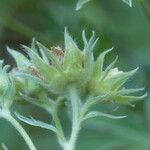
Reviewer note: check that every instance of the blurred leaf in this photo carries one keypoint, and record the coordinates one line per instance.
(128, 99)
(100, 63)
(50, 56)
(4, 147)
(93, 114)
(33, 78)
(72, 56)
(125, 91)
(88, 49)
(22, 62)
(80, 3)
(129, 2)
(46, 70)
(36, 123)
(117, 81)
(108, 69)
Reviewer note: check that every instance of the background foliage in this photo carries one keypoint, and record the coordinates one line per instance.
(117, 25)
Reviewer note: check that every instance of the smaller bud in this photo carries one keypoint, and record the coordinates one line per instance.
(113, 73)
(7, 86)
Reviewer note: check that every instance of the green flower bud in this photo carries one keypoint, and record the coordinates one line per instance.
(7, 87)
(57, 70)
(3, 83)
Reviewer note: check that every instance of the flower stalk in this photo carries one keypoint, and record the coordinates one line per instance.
(7, 115)
(76, 122)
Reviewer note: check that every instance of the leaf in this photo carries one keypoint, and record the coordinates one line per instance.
(108, 69)
(129, 2)
(93, 114)
(81, 3)
(125, 91)
(4, 147)
(88, 50)
(31, 121)
(22, 62)
(89, 44)
(98, 65)
(69, 42)
(73, 56)
(45, 103)
(7, 87)
(33, 45)
(128, 99)
(51, 57)
(9, 95)
(120, 79)
(46, 70)
(44, 56)
(91, 101)
(33, 78)
(97, 99)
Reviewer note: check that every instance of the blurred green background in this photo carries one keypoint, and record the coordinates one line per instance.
(125, 28)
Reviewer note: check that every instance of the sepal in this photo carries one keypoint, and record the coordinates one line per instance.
(22, 62)
(72, 55)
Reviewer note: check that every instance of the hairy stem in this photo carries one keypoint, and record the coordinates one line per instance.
(7, 115)
(59, 128)
(75, 105)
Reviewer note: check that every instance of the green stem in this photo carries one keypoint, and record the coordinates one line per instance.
(70, 145)
(7, 115)
(75, 104)
(58, 125)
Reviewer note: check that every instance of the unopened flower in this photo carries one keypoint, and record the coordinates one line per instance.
(113, 73)
(7, 87)
(59, 69)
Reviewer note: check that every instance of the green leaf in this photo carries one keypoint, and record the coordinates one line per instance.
(50, 56)
(69, 42)
(97, 99)
(73, 56)
(22, 62)
(117, 81)
(43, 56)
(125, 91)
(105, 73)
(10, 93)
(4, 147)
(81, 3)
(33, 45)
(128, 99)
(89, 44)
(43, 102)
(91, 101)
(36, 123)
(7, 87)
(93, 114)
(88, 49)
(32, 78)
(129, 2)
(45, 70)
(98, 65)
